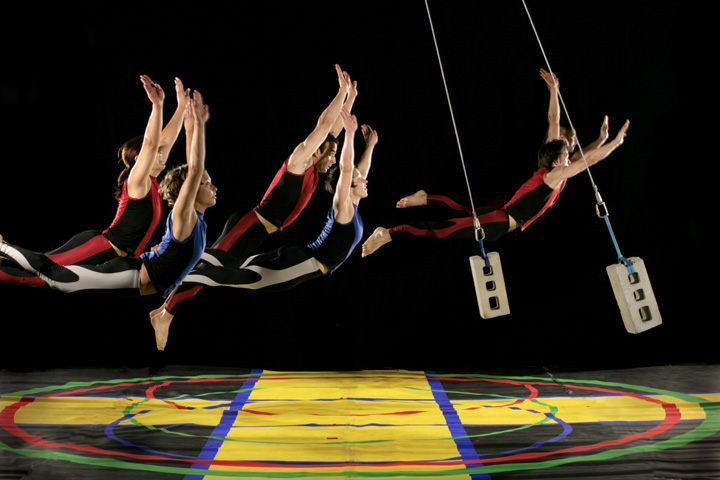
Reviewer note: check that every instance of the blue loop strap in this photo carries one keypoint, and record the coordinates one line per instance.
(480, 236)
(483, 254)
(621, 259)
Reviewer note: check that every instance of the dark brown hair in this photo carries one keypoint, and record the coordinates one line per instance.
(127, 153)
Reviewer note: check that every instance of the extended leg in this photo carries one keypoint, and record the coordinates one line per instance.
(86, 248)
(89, 247)
(119, 273)
(278, 270)
(494, 223)
(241, 235)
(451, 201)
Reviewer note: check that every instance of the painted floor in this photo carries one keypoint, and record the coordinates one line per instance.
(204, 423)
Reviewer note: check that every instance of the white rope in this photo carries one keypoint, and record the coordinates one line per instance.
(598, 198)
(457, 136)
(562, 102)
(452, 116)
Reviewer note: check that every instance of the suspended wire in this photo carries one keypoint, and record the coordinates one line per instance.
(478, 228)
(457, 136)
(621, 258)
(562, 102)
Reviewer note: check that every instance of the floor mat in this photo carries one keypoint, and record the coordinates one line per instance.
(204, 423)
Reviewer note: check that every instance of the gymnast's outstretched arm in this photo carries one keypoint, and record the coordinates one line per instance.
(371, 138)
(349, 102)
(301, 158)
(553, 85)
(342, 203)
(561, 173)
(138, 183)
(172, 129)
(184, 216)
(599, 142)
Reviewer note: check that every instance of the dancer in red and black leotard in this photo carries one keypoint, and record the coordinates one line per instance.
(188, 190)
(139, 202)
(531, 200)
(291, 265)
(287, 196)
(556, 163)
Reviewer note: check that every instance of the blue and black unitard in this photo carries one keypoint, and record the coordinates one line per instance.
(531, 200)
(287, 266)
(135, 222)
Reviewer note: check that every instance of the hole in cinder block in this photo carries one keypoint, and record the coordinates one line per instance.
(639, 294)
(487, 271)
(634, 278)
(494, 303)
(645, 315)
(490, 286)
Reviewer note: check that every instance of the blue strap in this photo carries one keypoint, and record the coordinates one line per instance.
(479, 236)
(621, 259)
(483, 254)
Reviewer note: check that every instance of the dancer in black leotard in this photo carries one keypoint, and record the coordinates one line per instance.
(556, 163)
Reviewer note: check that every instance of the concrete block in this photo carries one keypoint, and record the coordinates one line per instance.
(634, 296)
(490, 286)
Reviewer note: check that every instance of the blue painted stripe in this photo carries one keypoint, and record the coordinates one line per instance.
(227, 420)
(457, 430)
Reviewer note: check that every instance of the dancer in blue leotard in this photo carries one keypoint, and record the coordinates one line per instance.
(288, 266)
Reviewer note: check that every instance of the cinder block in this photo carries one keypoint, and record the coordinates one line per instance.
(490, 286)
(634, 296)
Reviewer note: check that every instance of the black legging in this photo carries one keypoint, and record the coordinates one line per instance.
(86, 248)
(277, 270)
(120, 273)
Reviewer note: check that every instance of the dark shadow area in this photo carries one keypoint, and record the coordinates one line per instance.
(267, 75)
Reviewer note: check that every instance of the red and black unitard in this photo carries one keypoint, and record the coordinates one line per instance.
(132, 228)
(531, 200)
(166, 266)
(285, 198)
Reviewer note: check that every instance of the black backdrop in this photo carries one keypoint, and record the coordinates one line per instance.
(70, 95)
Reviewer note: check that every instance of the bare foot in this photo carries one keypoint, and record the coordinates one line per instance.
(379, 237)
(157, 311)
(160, 319)
(417, 199)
